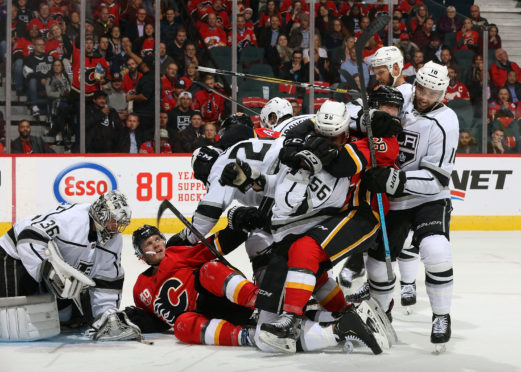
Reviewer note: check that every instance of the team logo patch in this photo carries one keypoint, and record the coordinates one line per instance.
(146, 297)
(85, 267)
(408, 144)
(171, 301)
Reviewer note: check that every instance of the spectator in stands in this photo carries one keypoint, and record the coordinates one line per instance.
(170, 100)
(323, 20)
(269, 10)
(22, 48)
(432, 51)
(499, 70)
(475, 70)
(102, 125)
(208, 103)
(502, 106)
(409, 7)
(449, 22)
(447, 58)
(73, 26)
(335, 38)
(351, 68)
(176, 48)
(456, 89)
(208, 137)
(467, 38)
(353, 19)
(422, 35)
(514, 86)
(407, 47)
(58, 45)
(36, 69)
(467, 143)
(339, 57)
(496, 145)
(103, 48)
(131, 78)
(136, 28)
(245, 37)
(186, 141)
(114, 10)
(57, 88)
(222, 16)
(27, 144)
(148, 147)
(190, 55)
(318, 46)
(268, 35)
(476, 86)
(43, 22)
(89, 30)
(294, 70)
(396, 30)
(164, 59)
(418, 19)
(478, 22)
(494, 40)
(417, 61)
(324, 70)
(116, 98)
(213, 36)
(103, 23)
(168, 27)
(299, 36)
(191, 75)
(295, 106)
(278, 55)
(364, 23)
(131, 138)
(24, 14)
(144, 45)
(115, 41)
(248, 16)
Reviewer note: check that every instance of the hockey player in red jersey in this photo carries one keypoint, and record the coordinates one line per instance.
(203, 300)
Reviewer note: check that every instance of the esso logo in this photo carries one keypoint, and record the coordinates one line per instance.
(83, 182)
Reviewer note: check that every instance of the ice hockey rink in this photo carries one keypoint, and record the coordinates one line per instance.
(486, 328)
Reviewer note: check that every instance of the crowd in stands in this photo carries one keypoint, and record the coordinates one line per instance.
(119, 75)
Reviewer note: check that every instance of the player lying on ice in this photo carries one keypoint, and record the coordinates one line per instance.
(207, 302)
(318, 219)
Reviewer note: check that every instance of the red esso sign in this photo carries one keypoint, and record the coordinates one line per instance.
(83, 184)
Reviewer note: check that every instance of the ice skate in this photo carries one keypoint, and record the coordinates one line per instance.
(346, 276)
(371, 312)
(360, 295)
(351, 328)
(408, 295)
(440, 334)
(283, 333)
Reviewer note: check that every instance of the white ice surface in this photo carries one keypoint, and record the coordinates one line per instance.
(486, 328)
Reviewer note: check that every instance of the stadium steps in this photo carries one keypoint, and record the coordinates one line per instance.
(506, 14)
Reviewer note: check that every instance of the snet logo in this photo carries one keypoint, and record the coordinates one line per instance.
(79, 182)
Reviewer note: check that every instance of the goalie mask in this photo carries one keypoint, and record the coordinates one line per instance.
(111, 215)
(142, 234)
(388, 56)
(276, 109)
(385, 95)
(239, 118)
(203, 159)
(332, 119)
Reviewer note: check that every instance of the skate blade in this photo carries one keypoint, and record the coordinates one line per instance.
(283, 345)
(440, 348)
(370, 318)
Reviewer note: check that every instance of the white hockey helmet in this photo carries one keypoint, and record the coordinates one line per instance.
(278, 106)
(111, 215)
(388, 56)
(433, 76)
(332, 119)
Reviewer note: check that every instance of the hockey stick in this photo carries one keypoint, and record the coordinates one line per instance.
(377, 25)
(269, 79)
(225, 97)
(166, 204)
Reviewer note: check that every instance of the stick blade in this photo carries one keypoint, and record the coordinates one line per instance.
(162, 208)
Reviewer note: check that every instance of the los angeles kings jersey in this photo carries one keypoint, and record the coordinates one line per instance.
(69, 227)
(261, 153)
(292, 122)
(427, 155)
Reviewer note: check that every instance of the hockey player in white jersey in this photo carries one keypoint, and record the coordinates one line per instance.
(70, 248)
(427, 155)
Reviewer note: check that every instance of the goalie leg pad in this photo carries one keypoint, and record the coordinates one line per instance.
(28, 318)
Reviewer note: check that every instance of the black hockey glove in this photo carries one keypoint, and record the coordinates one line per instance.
(384, 180)
(241, 175)
(382, 124)
(245, 219)
(202, 164)
(301, 130)
(177, 240)
(324, 149)
(146, 321)
(291, 146)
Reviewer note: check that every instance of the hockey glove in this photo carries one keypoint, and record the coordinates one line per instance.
(301, 130)
(242, 176)
(324, 149)
(245, 219)
(382, 124)
(290, 148)
(203, 162)
(146, 321)
(178, 240)
(384, 180)
(114, 325)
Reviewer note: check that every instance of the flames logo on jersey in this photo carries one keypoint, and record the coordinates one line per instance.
(169, 303)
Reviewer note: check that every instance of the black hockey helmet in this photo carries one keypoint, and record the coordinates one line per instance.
(383, 94)
(202, 161)
(239, 118)
(234, 134)
(142, 234)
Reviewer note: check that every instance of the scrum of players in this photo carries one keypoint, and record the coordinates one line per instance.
(307, 194)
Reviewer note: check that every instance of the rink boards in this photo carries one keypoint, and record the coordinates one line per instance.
(485, 190)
